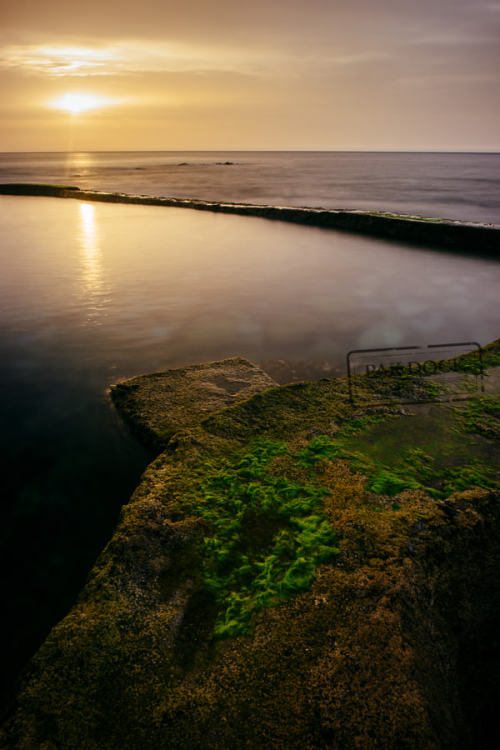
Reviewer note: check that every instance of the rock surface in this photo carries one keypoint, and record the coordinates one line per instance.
(388, 641)
(162, 403)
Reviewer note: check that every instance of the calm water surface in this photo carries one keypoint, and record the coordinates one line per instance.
(90, 293)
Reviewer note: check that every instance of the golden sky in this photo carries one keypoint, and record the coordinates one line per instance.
(266, 74)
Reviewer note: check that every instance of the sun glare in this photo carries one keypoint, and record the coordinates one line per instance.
(76, 103)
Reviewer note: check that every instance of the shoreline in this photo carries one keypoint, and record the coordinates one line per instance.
(471, 237)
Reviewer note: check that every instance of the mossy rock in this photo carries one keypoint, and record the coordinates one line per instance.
(287, 575)
(159, 404)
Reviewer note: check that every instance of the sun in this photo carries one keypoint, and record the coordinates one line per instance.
(76, 103)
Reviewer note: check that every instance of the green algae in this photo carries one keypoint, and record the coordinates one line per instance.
(245, 570)
(427, 451)
(33, 188)
(269, 534)
(390, 215)
(482, 416)
(266, 534)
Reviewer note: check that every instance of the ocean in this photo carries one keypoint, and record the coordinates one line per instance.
(92, 293)
(462, 186)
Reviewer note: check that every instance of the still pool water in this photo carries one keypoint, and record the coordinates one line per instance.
(91, 293)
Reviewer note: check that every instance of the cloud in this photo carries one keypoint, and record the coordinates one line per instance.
(452, 38)
(459, 79)
(57, 60)
(127, 57)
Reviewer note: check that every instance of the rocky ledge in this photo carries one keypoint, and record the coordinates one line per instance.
(157, 405)
(293, 571)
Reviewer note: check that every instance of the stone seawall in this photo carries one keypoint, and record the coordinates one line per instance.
(474, 238)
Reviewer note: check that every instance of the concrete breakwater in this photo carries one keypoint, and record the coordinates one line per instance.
(475, 238)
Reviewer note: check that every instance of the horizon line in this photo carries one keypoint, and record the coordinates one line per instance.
(260, 150)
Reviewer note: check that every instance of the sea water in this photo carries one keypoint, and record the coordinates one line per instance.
(446, 185)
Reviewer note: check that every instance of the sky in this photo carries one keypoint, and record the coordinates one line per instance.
(267, 74)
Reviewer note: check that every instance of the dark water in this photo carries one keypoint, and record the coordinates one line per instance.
(447, 185)
(90, 293)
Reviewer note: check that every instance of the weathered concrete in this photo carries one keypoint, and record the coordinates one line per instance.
(474, 238)
(157, 405)
(392, 644)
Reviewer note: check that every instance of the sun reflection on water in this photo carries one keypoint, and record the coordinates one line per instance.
(77, 165)
(80, 159)
(92, 276)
